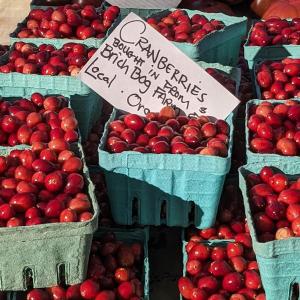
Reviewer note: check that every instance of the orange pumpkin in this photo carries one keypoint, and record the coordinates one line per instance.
(260, 6)
(283, 9)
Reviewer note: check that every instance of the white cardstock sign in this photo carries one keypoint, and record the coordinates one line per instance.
(138, 70)
(145, 3)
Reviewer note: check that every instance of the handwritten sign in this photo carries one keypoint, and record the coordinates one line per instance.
(137, 70)
(145, 3)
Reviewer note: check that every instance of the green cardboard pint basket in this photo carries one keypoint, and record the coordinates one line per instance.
(44, 254)
(278, 260)
(172, 189)
(220, 46)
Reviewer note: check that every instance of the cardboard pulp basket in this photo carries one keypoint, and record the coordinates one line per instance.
(220, 46)
(141, 12)
(278, 260)
(172, 189)
(48, 254)
(140, 235)
(258, 53)
(59, 42)
(265, 158)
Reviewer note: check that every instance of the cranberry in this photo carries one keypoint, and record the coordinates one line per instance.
(219, 268)
(278, 182)
(289, 196)
(252, 280)
(208, 283)
(233, 282)
(38, 294)
(234, 249)
(200, 252)
(89, 289)
(125, 290)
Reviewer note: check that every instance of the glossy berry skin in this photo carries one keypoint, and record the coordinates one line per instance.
(89, 289)
(273, 130)
(53, 62)
(279, 79)
(180, 27)
(274, 205)
(163, 133)
(26, 122)
(66, 21)
(232, 282)
(185, 287)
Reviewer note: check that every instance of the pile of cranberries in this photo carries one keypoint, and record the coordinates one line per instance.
(44, 185)
(163, 132)
(114, 272)
(279, 80)
(275, 128)
(179, 27)
(275, 204)
(220, 273)
(46, 59)
(69, 21)
(41, 120)
(275, 31)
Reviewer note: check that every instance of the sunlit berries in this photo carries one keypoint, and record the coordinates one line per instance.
(46, 59)
(37, 121)
(274, 199)
(279, 80)
(69, 21)
(274, 128)
(179, 27)
(165, 133)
